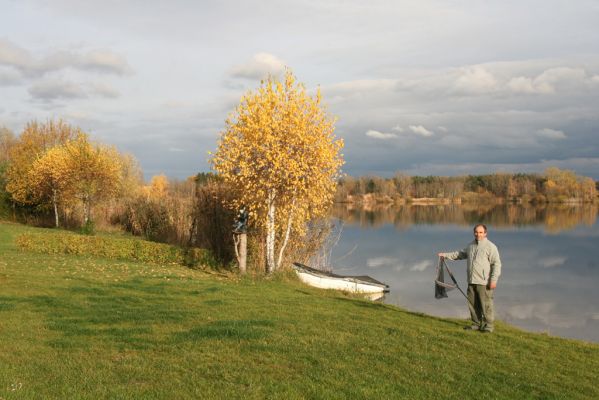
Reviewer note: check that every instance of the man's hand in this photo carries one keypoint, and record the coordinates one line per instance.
(492, 285)
(441, 255)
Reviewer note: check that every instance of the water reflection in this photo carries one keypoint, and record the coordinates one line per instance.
(553, 217)
(550, 257)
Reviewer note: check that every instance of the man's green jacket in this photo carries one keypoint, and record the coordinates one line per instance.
(484, 264)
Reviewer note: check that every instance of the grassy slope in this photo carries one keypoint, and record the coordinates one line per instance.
(72, 327)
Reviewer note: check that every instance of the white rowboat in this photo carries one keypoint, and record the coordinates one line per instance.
(327, 280)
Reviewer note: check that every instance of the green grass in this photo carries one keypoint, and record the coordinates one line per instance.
(86, 328)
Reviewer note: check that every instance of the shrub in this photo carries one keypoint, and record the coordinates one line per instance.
(212, 222)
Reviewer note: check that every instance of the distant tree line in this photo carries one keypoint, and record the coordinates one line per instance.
(554, 185)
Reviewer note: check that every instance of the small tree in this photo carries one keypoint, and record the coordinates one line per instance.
(158, 188)
(32, 144)
(51, 179)
(279, 152)
(95, 172)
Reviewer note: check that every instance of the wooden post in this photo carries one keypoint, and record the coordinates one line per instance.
(242, 253)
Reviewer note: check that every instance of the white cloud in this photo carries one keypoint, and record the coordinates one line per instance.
(549, 80)
(551, 134)
(261, 65)
(397, 128)
(522, 84)
(421, 266)
(421, 130)
(563, 75)
(475, 80)
(380, 135)
(442, 129)
(551, 262)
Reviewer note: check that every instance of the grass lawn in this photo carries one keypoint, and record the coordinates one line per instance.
(73, 327)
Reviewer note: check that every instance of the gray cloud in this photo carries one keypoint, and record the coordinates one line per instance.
(49, 90)
(551, 134)
(104, 61)
(14, 56)
(9, 77)
(21, 60)
(52, 90)
(103, 90)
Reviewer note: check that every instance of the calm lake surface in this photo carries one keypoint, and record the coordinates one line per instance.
(550, 257)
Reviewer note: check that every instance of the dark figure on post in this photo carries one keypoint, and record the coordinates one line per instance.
(241, 221)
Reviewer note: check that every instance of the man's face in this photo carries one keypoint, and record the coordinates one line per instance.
(479, 233)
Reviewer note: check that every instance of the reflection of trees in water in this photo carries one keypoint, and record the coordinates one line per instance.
(554, 218)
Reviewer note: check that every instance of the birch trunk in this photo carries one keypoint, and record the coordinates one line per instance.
(270, 233)
(287, 234)
(86, 210)
(55, 204)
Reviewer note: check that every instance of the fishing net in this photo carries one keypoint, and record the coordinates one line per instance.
(444, 280)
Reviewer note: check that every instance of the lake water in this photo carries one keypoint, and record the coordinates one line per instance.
(550, 257)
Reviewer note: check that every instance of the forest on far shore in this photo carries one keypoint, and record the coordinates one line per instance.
(554, 185)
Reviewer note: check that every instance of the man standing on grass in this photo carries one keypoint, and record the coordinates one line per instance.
(484, 268)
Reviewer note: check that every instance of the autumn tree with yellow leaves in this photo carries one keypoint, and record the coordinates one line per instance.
(54, 163)
(35, 140)
(158, 188)
(95, 172)
(279, 153)
(50, 179)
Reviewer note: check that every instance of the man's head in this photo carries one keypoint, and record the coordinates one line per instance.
(480, 232)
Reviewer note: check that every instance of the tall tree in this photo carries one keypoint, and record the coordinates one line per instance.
(7, 141)
(95, 172)
(158, 188)
(279, 151)
(50, 178)
(32, 144)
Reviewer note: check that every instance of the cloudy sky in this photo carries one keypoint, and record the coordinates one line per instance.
(423, 87)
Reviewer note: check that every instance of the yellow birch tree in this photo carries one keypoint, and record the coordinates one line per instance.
(158, 188)
(279, 152)
(32, 144)
(51, 179)
(95, 172)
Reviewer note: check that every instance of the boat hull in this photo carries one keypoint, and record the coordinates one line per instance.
(351, 284)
